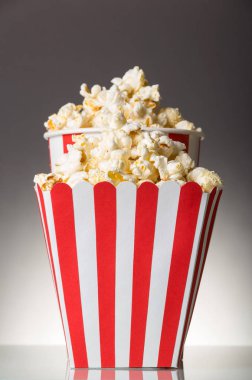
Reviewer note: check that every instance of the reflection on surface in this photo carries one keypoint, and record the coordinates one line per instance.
(200, 363)
(124, 374)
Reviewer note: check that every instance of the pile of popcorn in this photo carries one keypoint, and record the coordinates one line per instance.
(129, 99)
(127, 153)
(126, 149)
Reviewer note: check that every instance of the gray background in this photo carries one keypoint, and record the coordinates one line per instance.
(199, 52)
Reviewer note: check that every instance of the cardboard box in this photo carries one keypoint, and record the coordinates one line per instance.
(127, 264)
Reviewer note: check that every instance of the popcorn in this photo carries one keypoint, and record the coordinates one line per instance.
(149, 93)
(69, 163)
(68, 116)
(76, 178)
(129, 99)
(132, 80)
(127, 154)
(185, 124)
(175, 170)
(205, 178)
(96, 175)
(124, 150)
(144, 170)
(186, 161)
(169, 117)
(67, 110)
(55, 122)
(47, 181)
(160, 163)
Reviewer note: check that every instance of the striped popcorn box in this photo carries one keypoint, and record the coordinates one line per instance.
(132, 374)
(127, 264)
(58, 140)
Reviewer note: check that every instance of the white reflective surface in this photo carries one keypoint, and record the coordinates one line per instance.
(200, 363)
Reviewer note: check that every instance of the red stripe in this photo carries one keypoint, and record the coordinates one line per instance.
(212, 195)
(188, 209)
(212, 221)
(164, 375)
(49, 250)
(135, 374)
(105, 219)
(62, 204)
(67, 139)
(199, 254)
(208, 240)
(182, 138)
(81, 374)
(107, 374)
(146, 208)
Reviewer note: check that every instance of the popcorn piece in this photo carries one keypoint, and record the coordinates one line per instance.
(76, 178)
(131, 127)
(69, 163)
(161, 164)
(75, 120)
(96, 175)
(68, 116)
(55, 122)
(185, 124)
(132, 80)
(149, 93)
(144, 170)
(47, 181)
(169, 117)
(67, 110)
(205, 178)
(175, 170)
(186, 161)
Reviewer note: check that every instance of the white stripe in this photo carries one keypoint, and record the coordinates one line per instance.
(202, 257)
(56, 147)
(94, 374)
(150, 375)
(125, 206)
(51, 228)
(197, 236)
(122, 375)
(84, 216)
(47, 244)
(168, 200)
(70, 374)
(193, 147)
(42, 218)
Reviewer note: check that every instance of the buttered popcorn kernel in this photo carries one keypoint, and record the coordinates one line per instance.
(47, 181)
(129, 99)
(205, 178)
(127, 153)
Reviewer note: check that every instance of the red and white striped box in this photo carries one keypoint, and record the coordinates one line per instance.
(58, 140)
(125, 374)
(127, 264)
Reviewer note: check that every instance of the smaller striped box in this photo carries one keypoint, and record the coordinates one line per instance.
(58, 141)
(127, 264)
